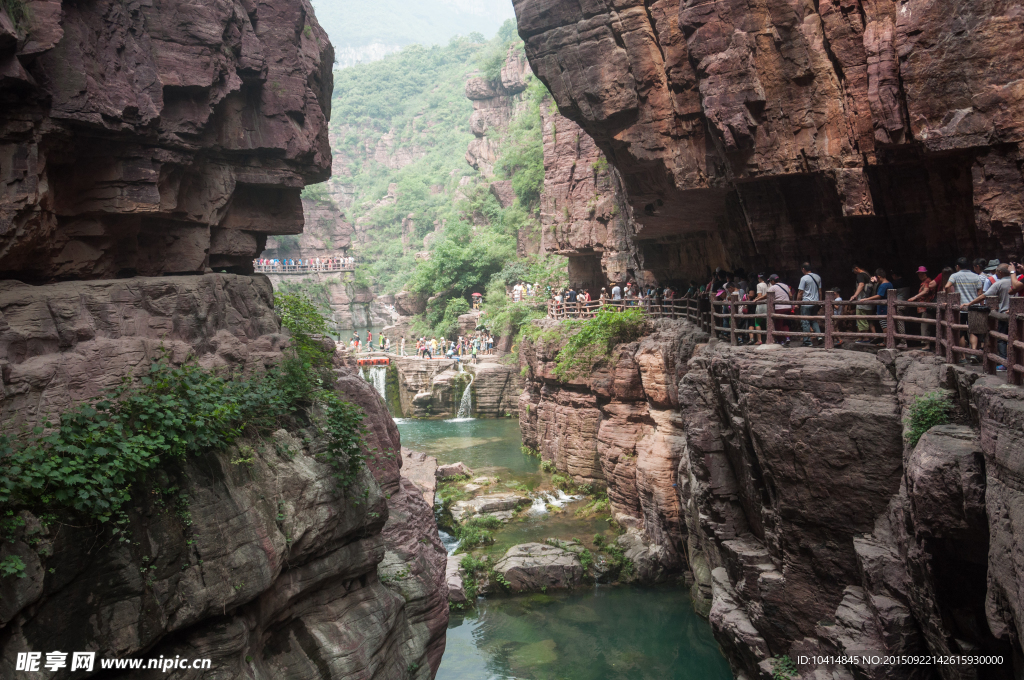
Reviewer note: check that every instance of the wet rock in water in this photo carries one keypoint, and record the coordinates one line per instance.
(501, 505)
(459, 469)
(535, 566)
(453, 577)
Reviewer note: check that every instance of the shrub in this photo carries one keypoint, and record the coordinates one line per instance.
(547, 466)
(926, 412)
(783, 668)
(477, 531)
(594, 340)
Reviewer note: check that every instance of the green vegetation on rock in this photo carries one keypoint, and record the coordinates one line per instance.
(925, 413)
(97, 456)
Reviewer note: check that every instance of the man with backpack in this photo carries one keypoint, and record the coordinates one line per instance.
(809, 290)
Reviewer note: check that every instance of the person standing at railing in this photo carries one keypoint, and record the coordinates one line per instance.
(968, 285)
(616, 293)
(925, 293)
(760, 323)
(902, 294)
(998, 298)
(881, 294)
(865, 288)
(783, 293)
(809, 291)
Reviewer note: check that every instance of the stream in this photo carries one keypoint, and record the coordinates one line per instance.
(595, 633)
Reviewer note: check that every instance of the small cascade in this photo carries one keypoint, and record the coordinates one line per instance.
(450, 543)
(466, 405)
(557, 498)
(379, 378)
(362, 373)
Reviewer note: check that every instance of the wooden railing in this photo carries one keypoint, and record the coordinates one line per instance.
(942, 319)
(304, 268)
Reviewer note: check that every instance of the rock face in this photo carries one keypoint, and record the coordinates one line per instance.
(494, 105)
(270, 552)
(352, 306)
(533, 567)
(326, 234)
(585, 214)
(62, 343)
(760, 133)
(155, 140)
(781, 481)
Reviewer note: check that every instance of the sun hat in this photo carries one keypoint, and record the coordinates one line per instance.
(992, 264)
(922, 270)
(773, 277)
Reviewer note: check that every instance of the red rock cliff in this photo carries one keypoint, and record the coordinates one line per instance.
(759, 133)
(781, 483)
(159, 137)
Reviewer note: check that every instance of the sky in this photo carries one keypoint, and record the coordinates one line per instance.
(360, 29)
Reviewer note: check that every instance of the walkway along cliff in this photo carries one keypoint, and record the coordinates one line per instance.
(139, 141)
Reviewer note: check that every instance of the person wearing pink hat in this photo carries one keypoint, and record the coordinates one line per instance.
(925, 293)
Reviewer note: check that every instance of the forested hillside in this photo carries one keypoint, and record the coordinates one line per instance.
(422, 218)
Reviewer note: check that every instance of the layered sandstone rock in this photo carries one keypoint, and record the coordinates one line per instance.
(781, 482)
(494, 105)
(153, 139)
(269, 551)
(65, 342)
(759, 133)
(585, 214)
(326, 233)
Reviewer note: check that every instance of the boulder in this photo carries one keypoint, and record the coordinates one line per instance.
(410, 304)
(459, 469)
(532, 567)
(500, 505)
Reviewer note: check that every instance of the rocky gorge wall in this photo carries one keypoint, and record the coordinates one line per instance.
(780, 484)
(142, 147)
(274, 570)
(155, 139)
(760, 133)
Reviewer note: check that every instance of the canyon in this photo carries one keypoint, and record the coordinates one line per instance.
(147, 152)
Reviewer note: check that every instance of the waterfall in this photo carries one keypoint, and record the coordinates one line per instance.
(379, 378)
(466, 405)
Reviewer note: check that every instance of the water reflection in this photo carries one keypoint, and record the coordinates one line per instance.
(603, 634)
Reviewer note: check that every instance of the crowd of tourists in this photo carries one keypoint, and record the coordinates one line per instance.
(317, 264)
(981, 286)
(462, 348)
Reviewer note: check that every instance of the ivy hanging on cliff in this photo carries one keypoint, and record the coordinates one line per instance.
(96, 455)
